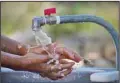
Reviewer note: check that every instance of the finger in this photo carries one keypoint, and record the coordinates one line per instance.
(54, 76)
(62, 61)
(65, 73)
(66, 61)
(56, 68)
(47, 68)
(65, 53)
(68, 54)
(66, 66)
(59, 67)
(77, 57)
(40, 58)
(36, 49)
(59, 75)
(51, 75)
(35, 58)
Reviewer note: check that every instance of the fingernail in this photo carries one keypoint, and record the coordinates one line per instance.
(62, 75)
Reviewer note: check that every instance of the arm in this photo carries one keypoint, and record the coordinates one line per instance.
(15, 47)
(35, 63)
(12, 46)
(10, 60)
(22, 62)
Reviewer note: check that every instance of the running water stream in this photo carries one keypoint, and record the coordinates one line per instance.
(43, 40)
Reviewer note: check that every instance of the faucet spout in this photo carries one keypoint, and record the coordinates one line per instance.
(40, 21)
(37, 22)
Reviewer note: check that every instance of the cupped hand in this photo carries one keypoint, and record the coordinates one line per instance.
(59, 71)
(39, 59)
(37, 63)
(63, 52)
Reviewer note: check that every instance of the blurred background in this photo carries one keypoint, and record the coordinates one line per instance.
(89, 40)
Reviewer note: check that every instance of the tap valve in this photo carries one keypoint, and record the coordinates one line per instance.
(37, 22)
(49, 11)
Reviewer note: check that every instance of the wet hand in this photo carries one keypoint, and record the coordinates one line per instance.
(57, 72)
(63, 52)
(37, 63)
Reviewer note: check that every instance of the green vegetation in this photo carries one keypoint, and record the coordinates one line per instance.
(17, 16)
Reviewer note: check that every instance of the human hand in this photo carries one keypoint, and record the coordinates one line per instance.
(37, 63)
(63, 52)
(59, 71)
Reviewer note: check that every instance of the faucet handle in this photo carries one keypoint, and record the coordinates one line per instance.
(50, 11)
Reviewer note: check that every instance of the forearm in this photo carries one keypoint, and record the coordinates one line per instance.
(11, 61)
(12, 46)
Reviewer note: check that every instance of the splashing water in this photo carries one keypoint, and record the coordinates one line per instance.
(43, 40)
